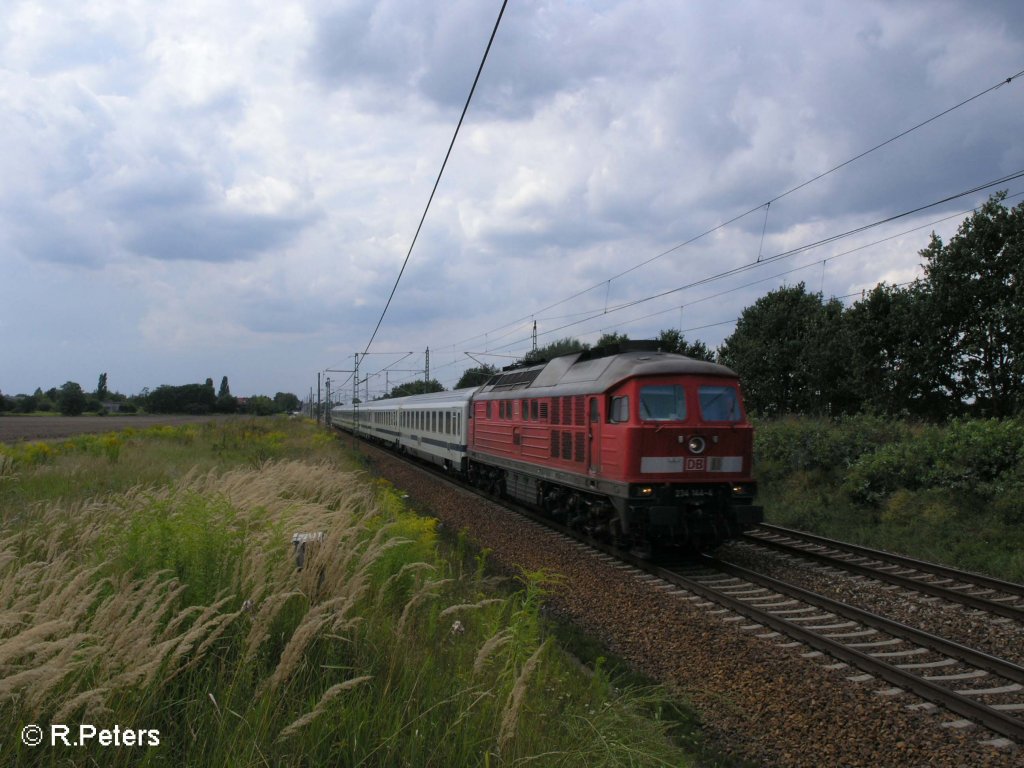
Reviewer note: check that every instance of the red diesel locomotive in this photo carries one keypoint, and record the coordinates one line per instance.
(647, 449)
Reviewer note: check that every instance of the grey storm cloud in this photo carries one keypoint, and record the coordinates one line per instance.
(210, 235)
(261, 170)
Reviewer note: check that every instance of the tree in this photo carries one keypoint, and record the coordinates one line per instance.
(975, 292)
(895, 362)
(672, 340)
(788, 349)
(286, 402)
(101, 388)
(72, 399)
(26, 403)
(475, 377)
(259, 405)
(418, 387)
(188, 398)
(610, 339)
(226, 402)
(565, 346)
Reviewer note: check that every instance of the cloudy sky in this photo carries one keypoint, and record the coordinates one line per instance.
(200, 189)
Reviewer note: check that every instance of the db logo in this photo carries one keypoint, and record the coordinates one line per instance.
(694, 464)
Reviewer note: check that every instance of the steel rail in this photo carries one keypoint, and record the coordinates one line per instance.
(993, 719)
(972, 601)
(980, 579)
(979, 659)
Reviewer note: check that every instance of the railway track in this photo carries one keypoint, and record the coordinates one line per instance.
(978, 687)
(974, 685)
(933, 673)
(973, 590)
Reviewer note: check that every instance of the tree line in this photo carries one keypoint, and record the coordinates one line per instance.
(198, 399)
(950, 343)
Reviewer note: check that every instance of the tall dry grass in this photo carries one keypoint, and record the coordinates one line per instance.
(179, 607)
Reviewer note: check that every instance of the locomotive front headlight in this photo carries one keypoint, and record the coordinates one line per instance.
(645, 490)
(696, 444)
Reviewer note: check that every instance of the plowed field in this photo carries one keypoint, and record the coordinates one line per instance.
(17, 428)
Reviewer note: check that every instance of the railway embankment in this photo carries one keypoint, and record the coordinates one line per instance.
(764, 698)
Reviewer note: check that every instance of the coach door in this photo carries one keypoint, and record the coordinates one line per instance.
(593, 435)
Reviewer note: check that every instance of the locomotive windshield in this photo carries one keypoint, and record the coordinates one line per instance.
(719, 404)
(665, 402)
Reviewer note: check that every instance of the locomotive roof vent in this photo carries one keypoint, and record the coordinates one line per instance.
(639, 345)
(514, 379)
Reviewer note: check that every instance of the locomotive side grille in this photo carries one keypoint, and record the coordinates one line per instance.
(555, 411)
(543, 411)
(567, 445)
(579, 447)
(577, 411)
(555, 443)
(567, 410)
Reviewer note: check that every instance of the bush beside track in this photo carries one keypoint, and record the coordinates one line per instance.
(952, 494)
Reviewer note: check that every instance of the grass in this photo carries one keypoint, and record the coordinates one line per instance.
(174, 604)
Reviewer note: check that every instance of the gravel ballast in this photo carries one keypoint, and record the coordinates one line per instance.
(759, 701)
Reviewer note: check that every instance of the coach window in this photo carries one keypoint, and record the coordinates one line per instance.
(619, 412)
(448, 422)
(594, 414)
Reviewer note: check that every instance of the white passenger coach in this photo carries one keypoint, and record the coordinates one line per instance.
(433, 427)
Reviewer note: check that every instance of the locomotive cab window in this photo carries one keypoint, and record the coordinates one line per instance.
(719, 404)
(663, 402)
(619, 412)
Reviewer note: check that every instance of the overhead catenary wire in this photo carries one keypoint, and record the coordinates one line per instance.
(512, 326)
(440, 173)
(601, 312)
(765, 205)
(778, 256)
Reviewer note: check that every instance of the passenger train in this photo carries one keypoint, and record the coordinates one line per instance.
(649, 450)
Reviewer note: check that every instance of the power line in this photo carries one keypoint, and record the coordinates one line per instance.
(594, 314)
(707, 232)
(440, 173)
(778, 256)
(766, 204)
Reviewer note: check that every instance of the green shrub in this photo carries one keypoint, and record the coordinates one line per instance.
(980, 458)
(199, 540)
(953, 493)
(794, 444)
